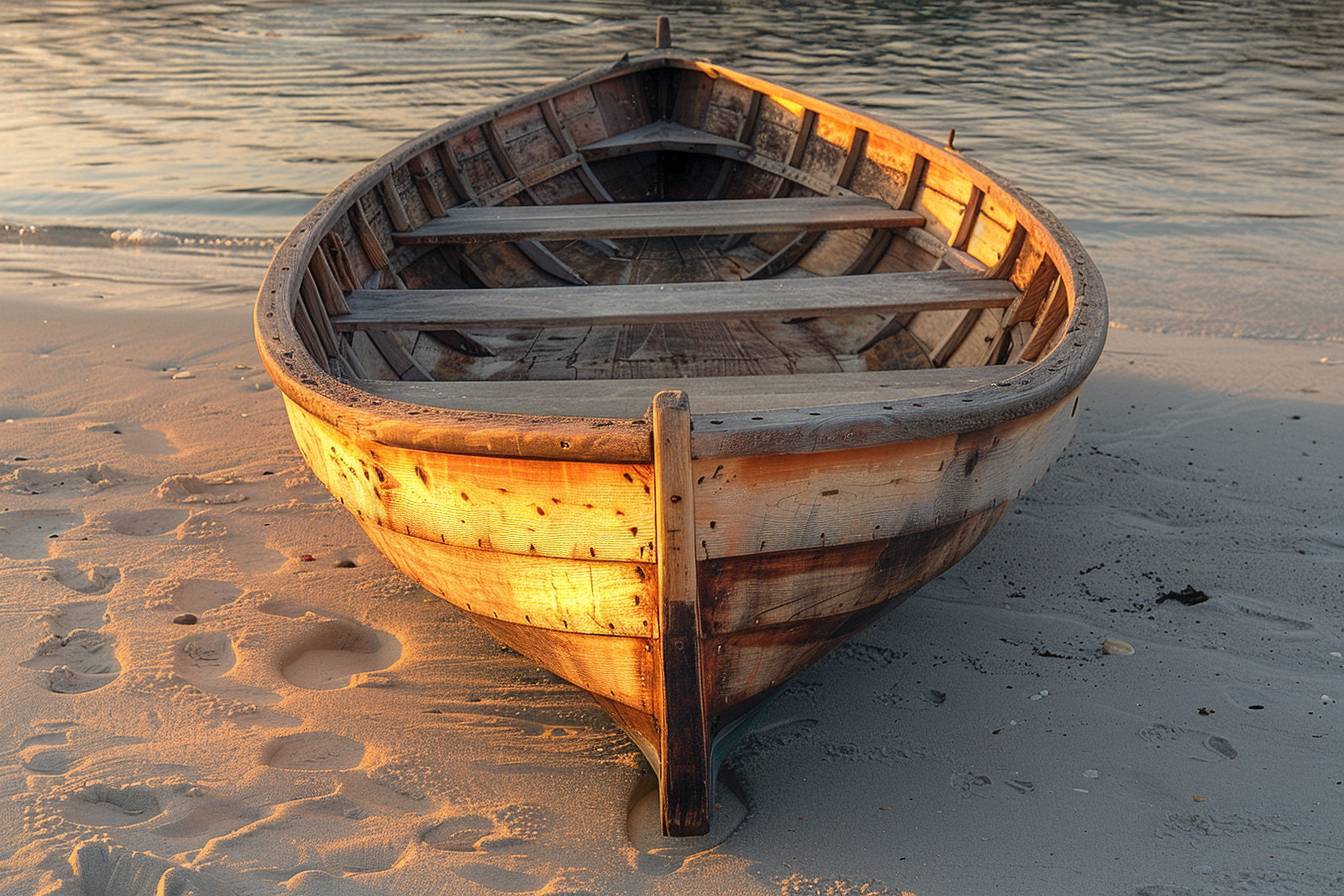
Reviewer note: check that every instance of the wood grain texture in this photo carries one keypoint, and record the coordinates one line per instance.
(787, 502)
(713, 395)
(665, 136)
(643, 219)
(741, 666)
(685, 780)
(584, 596)
(740, 593)
(616, 668)
(432, 309)
(544, 508)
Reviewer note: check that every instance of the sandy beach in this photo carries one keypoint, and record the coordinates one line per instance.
(214, 684)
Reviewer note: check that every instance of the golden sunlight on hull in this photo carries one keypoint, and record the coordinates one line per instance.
(673, 378)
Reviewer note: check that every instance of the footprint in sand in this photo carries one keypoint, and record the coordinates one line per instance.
(104, 869)
(458, 834)
(28, 534)
(186, 489)
(507, 830)
(102, 805)
(45, 754)
(66, 618)
(313, 751)
(202, 658)
(142, 523)
(79, 480)
(84, 578)
(76, 656)
(335, 652)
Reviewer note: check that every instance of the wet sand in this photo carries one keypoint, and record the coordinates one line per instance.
(325, 726)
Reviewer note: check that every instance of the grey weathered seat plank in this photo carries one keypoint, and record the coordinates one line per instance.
(479, 224)
(708, 395)
(665, 135)
(442, 309)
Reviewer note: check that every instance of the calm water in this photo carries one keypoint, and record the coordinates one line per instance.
(1197, 148)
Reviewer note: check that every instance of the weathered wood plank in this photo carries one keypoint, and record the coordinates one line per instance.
(395, 354)
(713, 395)
(564, 138)
(666, 136)
(672, 302)
(643, 219)
(540, 508)
(596, 597)
(742, 665)
(685, 779)
(739, 593)
(617, 668)
(803, 501)
(1054, 312)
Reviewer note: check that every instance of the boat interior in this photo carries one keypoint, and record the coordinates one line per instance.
(667, 223)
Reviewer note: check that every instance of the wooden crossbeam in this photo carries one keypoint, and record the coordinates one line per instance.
(442, 309)
(665, 136)
(645, 219)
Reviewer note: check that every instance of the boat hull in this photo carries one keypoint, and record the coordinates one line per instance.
(793, 554)
(773, 366)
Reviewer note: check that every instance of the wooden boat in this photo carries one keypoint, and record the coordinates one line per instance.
(673, 378)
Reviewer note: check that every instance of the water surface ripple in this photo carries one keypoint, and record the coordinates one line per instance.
(1197, 148)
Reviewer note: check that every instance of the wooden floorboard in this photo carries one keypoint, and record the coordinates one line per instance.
(650, 303)
(708, 395)
(477, 224)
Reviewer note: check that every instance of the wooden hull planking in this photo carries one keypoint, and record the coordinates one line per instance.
(681, 562)
(780, 559)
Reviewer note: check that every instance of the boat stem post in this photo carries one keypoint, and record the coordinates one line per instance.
(662, 33)
(685, 781)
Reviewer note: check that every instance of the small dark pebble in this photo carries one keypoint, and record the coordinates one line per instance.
(1256, 706)
(1189, 596)
(307, 558)
(1207, 710)
(116, 432)
(346, 564)
(268, 472)
(20, 457)
(185, 619)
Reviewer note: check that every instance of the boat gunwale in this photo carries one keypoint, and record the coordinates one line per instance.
(623, 440)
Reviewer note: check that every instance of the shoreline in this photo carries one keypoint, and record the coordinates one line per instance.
(377, 742)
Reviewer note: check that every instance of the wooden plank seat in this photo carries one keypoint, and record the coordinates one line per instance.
(665, 136)
(444, 309)
(630, 398)
(610, 220)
